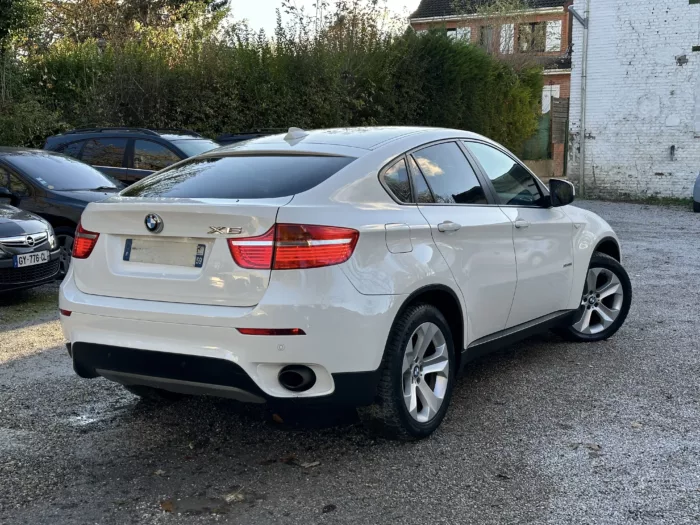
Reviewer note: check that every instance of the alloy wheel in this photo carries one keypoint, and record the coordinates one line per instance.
(601, 302)
(425, 372)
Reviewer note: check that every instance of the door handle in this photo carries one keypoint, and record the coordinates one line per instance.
(520, 224)
(448, 226)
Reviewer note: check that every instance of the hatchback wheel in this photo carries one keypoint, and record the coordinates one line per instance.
(606, 300)
(65, 238)
(417, 378)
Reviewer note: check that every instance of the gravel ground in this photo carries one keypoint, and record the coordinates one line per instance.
(545, 432)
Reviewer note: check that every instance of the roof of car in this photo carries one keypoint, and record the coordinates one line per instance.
(6, 151)
(440, 8)
(366, 138)
(166, 134)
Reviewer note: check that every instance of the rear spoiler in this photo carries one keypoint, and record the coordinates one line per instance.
(232, 138)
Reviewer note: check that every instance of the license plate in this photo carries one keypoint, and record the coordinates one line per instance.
(31, 259)
(171, 253)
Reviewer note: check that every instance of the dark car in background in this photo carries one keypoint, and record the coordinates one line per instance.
(129, 154)
(29, 253)
(54, 187)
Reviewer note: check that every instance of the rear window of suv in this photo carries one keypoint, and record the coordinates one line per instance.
(240, 177)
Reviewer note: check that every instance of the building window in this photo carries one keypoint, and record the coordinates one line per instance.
(553, 40)
(464, 33)
(486, 37)
(507, 39)
(532, 38)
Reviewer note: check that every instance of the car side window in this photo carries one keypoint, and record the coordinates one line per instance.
(18, 187)
(449, 174)
(421, 190)
(107, 152)
(149, 155)
(4, 178)
(514, 184)
(72, 149)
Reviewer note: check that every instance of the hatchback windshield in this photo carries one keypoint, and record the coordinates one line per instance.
(240, 177)
(56, 172)
(192, 147)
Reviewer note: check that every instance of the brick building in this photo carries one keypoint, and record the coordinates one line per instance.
(642, 119)
(540, 33)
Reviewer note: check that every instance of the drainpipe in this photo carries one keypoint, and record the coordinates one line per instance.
(583, 20)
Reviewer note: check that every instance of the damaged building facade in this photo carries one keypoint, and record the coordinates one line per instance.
(642, 98)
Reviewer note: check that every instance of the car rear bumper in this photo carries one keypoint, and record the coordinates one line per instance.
(198, 349)
(12, 278)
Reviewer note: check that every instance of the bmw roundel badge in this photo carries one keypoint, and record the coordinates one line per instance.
(154, 223)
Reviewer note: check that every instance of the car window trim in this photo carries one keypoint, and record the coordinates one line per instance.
(386, 168)
(420, 174)
(487, 192)
(490, 200)
(540, 185)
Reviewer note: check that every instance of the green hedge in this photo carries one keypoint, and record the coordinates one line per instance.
(216, 87)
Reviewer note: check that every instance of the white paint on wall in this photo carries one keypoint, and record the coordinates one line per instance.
(507, 39)
(641, 99)
(553, 39)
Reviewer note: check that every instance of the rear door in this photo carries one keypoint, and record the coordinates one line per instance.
(542, 236)
(147, 157)
(107, 154)
(474, 236)
(168, 237)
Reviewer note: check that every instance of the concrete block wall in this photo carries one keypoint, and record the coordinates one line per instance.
(643, 82)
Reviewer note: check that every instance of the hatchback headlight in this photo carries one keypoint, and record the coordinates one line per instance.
(52, 238)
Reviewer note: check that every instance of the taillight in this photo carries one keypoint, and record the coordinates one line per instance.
(295, 246)
(302, 246)
(84, 242)
(254, 252)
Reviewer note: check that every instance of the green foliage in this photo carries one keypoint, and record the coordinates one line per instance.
(351, 73)
(16, 17)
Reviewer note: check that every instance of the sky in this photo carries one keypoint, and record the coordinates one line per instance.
(261, 13)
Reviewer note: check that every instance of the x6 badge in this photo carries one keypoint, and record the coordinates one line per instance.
(224, 230)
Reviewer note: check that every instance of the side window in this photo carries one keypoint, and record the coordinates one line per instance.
(149, 155)
(396, 179)
(18, 187)
(512, 182)
(104, 152)
(449, 174)
(4, 178)
(420, 187)
(72, 149)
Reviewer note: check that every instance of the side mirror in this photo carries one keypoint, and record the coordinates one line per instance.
(561, 192)
(5, 193)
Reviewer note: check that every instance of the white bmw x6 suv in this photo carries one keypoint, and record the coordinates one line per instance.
(355, 266)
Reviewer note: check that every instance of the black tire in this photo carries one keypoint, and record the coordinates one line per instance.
(153, 395)
(65, 235)
(696, 206)
(600, 260)
(389, 415)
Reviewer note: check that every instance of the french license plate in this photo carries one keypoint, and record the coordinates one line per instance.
(171, 253)
(31, 259)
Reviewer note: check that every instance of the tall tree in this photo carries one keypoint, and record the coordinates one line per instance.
(16, 18)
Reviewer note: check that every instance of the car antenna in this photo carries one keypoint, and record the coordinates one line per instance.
(295, 134)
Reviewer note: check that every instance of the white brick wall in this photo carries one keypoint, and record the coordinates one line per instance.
(640, 100)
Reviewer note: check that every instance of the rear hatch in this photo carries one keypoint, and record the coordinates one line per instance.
(189, 261)
(193, 208)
